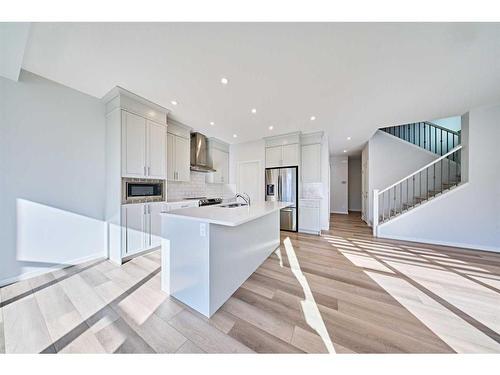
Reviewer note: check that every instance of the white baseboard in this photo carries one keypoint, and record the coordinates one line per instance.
(442, 243)
(340, 212)
(355, 209)
(29, 275)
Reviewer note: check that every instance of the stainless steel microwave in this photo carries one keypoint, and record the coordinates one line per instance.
(136, 190)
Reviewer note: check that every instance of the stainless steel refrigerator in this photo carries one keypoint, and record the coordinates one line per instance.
(282, 185)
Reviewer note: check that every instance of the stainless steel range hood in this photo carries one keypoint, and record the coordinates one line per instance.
(199, 154)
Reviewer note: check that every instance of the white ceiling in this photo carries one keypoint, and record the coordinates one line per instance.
(353, 77)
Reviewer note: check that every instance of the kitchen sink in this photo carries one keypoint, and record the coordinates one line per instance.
(233, 205)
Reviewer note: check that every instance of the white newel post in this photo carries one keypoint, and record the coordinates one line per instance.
(375, 212)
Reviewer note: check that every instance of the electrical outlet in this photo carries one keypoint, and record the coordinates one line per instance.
(203, 230)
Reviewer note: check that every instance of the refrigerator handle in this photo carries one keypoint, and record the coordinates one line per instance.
(279, 187)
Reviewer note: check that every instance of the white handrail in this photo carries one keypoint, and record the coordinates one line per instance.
(421, 169)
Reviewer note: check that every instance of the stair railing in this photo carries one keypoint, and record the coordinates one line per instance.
(432, 179)
(426, 135)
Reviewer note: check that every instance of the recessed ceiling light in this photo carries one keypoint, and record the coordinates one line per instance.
(345, 150)
(313, 118)
(212, 123)
(235, 136)
(224, 80)
(173, 102)
(348, 138)
(271, 127)
(254, 111)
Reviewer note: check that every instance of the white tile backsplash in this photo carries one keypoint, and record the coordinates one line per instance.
(197, 187)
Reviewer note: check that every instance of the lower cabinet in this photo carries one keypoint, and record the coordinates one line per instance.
(141, 227)
(309, 216)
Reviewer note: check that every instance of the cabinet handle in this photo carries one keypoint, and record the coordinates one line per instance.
(149, 171)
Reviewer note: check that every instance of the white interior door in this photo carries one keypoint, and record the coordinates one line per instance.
(250, 179)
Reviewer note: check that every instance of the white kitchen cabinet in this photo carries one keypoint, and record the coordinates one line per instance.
(309, 216)
(156, 150)
(142, 226)
(220, 162)
(290, 155)
(311, 163)
(133, 145)
(282, 156)
(143, 147)
(134, 220)
(155, 223)
(273, 156)
(178, 158)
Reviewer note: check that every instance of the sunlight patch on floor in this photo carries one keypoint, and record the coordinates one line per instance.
(309, 306)
(453, 330)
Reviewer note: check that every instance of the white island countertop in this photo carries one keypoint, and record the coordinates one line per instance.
(231, 217)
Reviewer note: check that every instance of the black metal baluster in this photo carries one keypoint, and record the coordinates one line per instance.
(400, 197)
(447, 141)
(413, 192)
(442, 175)
(435, 140)
(434, 178)
(425, 139)
(427, 183)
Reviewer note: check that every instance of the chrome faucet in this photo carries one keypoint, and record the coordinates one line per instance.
(243, 196)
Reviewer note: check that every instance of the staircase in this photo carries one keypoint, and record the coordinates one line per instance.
(426, 135)
(428, 182)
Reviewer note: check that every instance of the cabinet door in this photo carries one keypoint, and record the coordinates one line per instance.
(273, 156)
(311, 163)
(155, 224)
(135, 228)
(182, 158)
(224, 168)
(171, 157)
(309, 219)
(290, 155)
(157, 153)
(219, 161)
(133, 145)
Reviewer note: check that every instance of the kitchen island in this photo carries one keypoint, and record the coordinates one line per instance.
(208, 252)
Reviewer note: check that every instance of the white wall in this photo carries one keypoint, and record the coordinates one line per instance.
(452, 123)
(354, 184)
(52, 155)
(469, 216)
(391, 159)
(325, 180)
(339, 185)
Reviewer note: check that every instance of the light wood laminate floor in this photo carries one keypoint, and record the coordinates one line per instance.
(343, 292)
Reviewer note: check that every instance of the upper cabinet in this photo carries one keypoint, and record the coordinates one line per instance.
(178, 153)
(143, 147)
(311, 157)
(218, 157)
(283, 151)
(311, 163)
